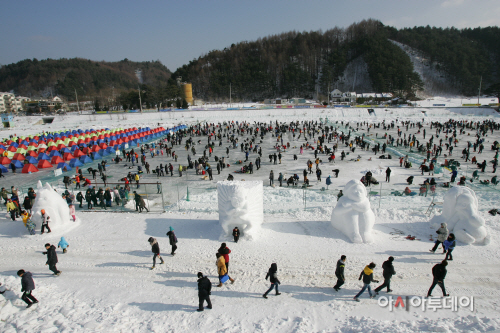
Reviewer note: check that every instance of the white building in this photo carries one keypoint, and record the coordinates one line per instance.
(336, 95)
(10, 103)
(349, 97)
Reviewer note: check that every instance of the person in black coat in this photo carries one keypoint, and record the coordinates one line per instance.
(236, 234)
(27, 286)
(204, 291)
(339, 273)
(155, 248)
(173, 240)
(439, 273)
(272, 274)
(388, 273)
(51, 258)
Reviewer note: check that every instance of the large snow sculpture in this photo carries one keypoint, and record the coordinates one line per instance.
(460, 213)
(53, 203)
(241, 204)
(352, 215)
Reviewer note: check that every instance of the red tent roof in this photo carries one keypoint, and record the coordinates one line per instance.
(29, 168)
(78, 153)
(5, 160)
(19, 157)
(68, 156)
(55, 160)
(45, 164)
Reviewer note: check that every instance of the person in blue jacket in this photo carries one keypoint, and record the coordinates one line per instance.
(27, 286)
(449, 245)
(63, 244)
(328, 181)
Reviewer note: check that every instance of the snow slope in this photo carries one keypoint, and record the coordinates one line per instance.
(106, 284)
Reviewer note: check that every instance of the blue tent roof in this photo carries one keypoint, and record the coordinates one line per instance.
(96, 156)
(65, 150)
(43, 156)
(4, 169)
(75, 163)
(31, 160)
(63, 165)
(17, 163)
(85, 159)
(54, 153)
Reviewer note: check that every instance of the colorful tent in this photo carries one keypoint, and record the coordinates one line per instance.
(44, 164)
(56, 160)
(43, 156)
(85, 159)
(27, 168)
(64, 166)
(4, 160)
(4, 169)
(31, 160)
(75, 163)
(17, 164)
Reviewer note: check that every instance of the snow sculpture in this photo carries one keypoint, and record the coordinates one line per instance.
(352, 215)
(53, 203)
(460, 213)
(241, 204)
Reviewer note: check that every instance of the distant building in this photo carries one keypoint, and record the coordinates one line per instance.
(336, 96)
(10, 103)
(349, 97)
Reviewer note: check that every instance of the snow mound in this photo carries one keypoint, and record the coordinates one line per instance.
(353, 215)
(460, 213)
(241, 204)
(55, 206)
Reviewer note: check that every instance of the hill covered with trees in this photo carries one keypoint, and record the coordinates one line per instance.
(303, 64)
(89, 78)
(364, 57)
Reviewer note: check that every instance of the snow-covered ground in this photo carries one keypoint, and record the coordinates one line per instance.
(106, 284)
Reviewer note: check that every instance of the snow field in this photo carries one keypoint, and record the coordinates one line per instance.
(106, 284)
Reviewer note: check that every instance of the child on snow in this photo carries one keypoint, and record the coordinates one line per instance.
(28, 223)
(272, 274)
(155, 248)
(45, 221)
(27, 286)
(63, 244)
(72, 212)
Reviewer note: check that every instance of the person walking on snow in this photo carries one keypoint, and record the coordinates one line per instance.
(173, 240)
(448, 246)
(367, 276)
(272, 274)
(51, 258)
(388, 273)
(63, 244)
(388, 175)
(204, 291)
(222, 270)
(339, 273)
(155, 248)
(224, 250)
(439, 273)
(27, 286)
(45, 221)
(442, 236)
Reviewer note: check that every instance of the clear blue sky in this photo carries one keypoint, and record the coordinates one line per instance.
(176, 32)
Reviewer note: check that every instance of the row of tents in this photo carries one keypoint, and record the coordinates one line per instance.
(69, 156)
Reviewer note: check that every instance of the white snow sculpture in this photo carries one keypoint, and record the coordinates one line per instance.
(352, 215)
(53, 203)
(460, 213)
(241, 204)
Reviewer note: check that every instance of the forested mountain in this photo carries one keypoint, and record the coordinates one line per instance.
(364, 57)
(89, 78)
(301, 64)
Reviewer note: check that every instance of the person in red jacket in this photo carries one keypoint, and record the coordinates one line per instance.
(224, 250)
